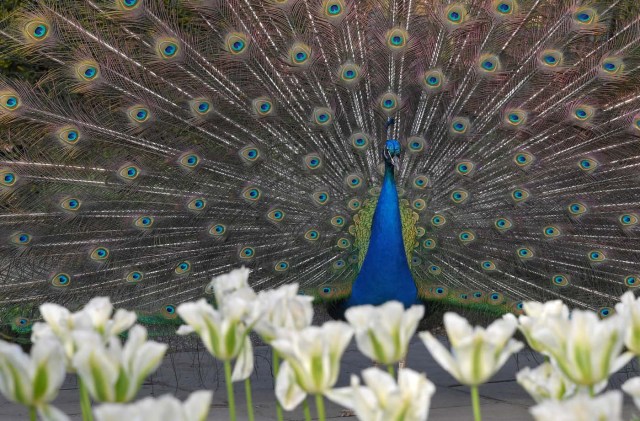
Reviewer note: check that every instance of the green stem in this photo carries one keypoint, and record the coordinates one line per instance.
(320, 407)
(391, 370)
(247, 391)
(33, 414)
(230, 397)
(475, 401)
(307, 411)
(276, 367)
(85, 401)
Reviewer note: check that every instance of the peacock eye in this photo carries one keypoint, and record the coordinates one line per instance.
(61, 280)
(236, 43)
(9, 101)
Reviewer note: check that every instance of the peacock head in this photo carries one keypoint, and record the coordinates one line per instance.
(392, 152)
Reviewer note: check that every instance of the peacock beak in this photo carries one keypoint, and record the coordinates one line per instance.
(395, 161)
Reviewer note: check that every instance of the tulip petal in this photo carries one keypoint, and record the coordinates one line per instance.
(244, 363)
(51, 413)
(440, 353)
(289, 394)
(196, 407)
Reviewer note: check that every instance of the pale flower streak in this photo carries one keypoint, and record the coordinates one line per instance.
(382, 399)
(33, 380)
(166, 407)
(545, 382)
(582, 407)
(311, 361)
(476, 353)
(113, 373)
(383, 332)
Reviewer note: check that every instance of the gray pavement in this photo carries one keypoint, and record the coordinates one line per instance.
(183, 372)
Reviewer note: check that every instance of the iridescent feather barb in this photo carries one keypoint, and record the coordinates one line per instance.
(166, 145)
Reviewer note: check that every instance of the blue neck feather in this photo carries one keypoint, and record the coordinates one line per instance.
(385, 274)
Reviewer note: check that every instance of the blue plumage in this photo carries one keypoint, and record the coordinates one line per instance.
(385, 273)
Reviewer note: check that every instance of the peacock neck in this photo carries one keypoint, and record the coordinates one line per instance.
(385, 273)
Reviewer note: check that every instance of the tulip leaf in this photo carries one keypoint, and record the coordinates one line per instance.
(19, 386)
(378, 349)
(101, 385)
(40, 382)
(122, 386)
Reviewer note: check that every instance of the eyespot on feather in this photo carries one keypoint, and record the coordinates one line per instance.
(8, 178)
(167, 48)
(503, 224)
(21, 239)
(237, 43)
(459, 196)
(252, 194)
(197, 204)
(71, 204)
(433, 80)
(359, 141)
(465, 168)
(100, 254)
(577, 209)
(138, 114)
(144, 221)
(321, 197)
(276, 215)
(416, 145)
(36, 30)
(87, 71)
(299, 55)
(9, 101)
(61, 280)
(129, 172)
(322, 116)
(183, 267)
(262, 106)
(397, 39)
(420, 182)
(559, 280)
(200, 107)
(519, 195)
(68, 135)
(217, 230)
(312, 161)
(459, 126)
(438, 220)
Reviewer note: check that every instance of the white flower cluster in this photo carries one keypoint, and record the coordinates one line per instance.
(581, 352)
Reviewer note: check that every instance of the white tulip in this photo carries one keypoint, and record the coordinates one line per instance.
(582, 407)
(224, 333)
(282, 308)
(382, 399)
(586, 349)
(228, 283)
(538, 314)
(632, 388)
(477, 353)
(545, 382)
(311, 361)
(629, 308)
(164, 408)
(383, 332)
(95, 316)
(111, 372)
(33, 380)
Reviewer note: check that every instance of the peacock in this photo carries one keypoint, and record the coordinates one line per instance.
(474, 153)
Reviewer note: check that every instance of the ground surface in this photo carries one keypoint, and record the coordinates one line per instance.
(181, 373)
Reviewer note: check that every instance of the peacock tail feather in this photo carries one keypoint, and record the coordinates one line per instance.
(171, 141)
